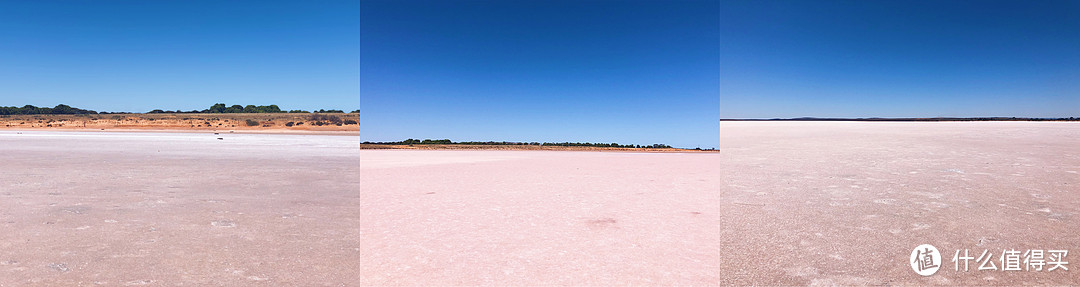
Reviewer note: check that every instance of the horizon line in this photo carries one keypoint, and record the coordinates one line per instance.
(908, 119)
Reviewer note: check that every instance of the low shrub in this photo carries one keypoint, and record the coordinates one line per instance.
(327, 118)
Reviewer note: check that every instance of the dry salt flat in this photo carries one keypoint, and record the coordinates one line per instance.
(827, 203)
(540, 218)
(178, 209)
(784, 203)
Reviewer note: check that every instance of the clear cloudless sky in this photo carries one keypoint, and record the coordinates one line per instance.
(630, 72)
(141, 55)
(905, 58)
(600, 71)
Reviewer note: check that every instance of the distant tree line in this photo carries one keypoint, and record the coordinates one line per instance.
(606, 145)
(60, 109)
(447, 141)
(218, 108)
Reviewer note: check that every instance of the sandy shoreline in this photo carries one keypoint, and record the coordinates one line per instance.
(269, 131)
(300, 122)
(190, 131)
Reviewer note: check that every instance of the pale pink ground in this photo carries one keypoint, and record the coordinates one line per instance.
(826, 203)
(171, 209)
(784, 203)
(796, 203)
(540, 218)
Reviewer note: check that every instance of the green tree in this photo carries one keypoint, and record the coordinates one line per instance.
(30, 110)
(63, 109)
(217, 108)
(234, 109)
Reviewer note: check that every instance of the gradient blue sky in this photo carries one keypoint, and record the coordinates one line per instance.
(900, 58)
(141, 55)
(631, 72)
(600, 71)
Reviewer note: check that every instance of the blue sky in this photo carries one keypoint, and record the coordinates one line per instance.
(637, 72)
(142, 55)
(631, 72)
(900, 58)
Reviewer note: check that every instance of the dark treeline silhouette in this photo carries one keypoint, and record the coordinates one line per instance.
(218, 108)
(447, 141)
(60, 109)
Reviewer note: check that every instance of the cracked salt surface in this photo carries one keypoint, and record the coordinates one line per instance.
(812, 198)
(957, 185)
(128, 209)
